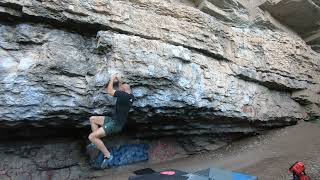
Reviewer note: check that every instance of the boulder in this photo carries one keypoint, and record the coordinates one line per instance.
(190, 73)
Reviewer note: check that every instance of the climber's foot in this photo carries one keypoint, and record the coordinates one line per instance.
(91, 145)
(106, 162)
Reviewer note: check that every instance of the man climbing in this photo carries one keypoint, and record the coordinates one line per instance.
(114, 124)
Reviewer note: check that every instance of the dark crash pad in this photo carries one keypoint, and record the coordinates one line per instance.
(178, 175)
(122, 155)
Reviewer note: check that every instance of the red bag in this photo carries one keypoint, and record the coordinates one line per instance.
(298, 171)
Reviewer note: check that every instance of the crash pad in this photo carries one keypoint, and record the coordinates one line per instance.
(222, 174)
(207, 174)
(122, 155)
(162, 175)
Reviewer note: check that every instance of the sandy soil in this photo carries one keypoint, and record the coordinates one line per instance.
(267, 156)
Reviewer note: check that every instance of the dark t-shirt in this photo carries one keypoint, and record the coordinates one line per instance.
(123, 105)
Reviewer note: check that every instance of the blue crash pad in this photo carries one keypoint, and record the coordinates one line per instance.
(239, 176)
(123, 155)
(221, 174)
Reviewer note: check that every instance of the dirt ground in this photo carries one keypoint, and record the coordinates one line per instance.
(267, 156)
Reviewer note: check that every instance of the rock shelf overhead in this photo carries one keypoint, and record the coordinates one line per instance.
(191, 72)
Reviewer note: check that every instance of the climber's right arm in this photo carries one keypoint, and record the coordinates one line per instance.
(110, 90)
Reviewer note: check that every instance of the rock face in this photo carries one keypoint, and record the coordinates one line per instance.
(301, 15)
(191, 73)
(54, 159)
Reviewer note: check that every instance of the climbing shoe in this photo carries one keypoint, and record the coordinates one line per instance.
(106, 162)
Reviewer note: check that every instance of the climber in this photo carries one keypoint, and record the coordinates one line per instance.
(114, 124)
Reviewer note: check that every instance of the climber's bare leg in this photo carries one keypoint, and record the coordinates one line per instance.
(96, 121)
(95, 138)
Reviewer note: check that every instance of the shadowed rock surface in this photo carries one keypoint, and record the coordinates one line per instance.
(301, 15)
(42, 159)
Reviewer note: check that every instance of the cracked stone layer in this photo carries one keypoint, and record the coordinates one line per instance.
(53, 77)
(191, 74)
